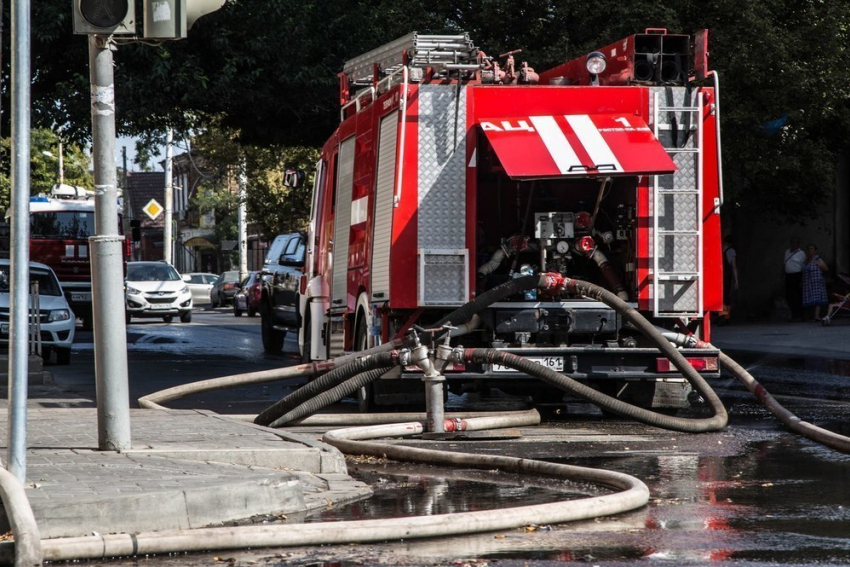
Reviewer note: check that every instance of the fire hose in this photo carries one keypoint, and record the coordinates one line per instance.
(353, 371)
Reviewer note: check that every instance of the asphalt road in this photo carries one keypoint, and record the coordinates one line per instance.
(752, 494)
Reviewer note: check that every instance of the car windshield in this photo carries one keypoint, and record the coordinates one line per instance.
(151, 273)
(47, 284)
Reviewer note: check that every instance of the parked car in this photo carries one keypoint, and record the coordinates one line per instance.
(279, 303)
(200, 284)
(56, 320)
(247, 298)
(155, 289)
(224, 288)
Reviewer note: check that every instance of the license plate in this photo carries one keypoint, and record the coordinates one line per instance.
(158, 306)
(81, 297)
(555, 363)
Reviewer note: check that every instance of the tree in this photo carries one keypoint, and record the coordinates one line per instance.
(266, 69)
(44, 165)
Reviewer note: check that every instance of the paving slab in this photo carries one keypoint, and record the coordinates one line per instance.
(186, 469)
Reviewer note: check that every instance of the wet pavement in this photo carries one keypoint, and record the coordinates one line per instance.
(753, 494)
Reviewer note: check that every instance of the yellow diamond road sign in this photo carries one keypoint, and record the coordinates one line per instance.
(153, 209)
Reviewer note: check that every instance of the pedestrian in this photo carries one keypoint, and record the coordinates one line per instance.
(795, 259)
(730, 279)
(814, 287)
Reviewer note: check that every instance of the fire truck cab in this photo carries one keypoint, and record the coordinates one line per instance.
(452, 171)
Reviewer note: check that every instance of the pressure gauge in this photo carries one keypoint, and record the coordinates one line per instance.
(562, 246)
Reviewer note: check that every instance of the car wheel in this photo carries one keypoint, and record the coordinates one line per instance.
(46, 355)
(186, 317)
(127, 317)
(168, 318)
(272, 338)
(236, 311)
(252, 312)
(63, 356)
(88, 322)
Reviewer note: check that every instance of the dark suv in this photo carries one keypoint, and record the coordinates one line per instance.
(281, 275)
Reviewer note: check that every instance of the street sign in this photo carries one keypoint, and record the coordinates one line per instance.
(153, 209)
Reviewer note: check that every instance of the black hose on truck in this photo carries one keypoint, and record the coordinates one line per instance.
(325, 382)
(546, 281)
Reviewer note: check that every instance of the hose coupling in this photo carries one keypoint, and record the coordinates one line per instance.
(419, 357)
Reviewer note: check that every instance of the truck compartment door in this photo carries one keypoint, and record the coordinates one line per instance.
(342, 223)
(534, 147)
(384, 207)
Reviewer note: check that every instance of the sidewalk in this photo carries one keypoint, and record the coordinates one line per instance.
(186, 469)
(793, 339)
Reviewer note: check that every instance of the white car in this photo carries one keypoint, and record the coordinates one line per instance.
(155, 289)
(56, 320)
(200, 284)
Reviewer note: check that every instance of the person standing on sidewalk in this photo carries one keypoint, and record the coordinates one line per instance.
(795, 259)
(814, 287)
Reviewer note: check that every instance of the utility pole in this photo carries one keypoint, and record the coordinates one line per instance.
(20, 242)
(110, 331)
(241, 220)
(169, 195)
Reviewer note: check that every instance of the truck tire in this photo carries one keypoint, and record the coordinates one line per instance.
(272, 338)
(365, 395)
(186, 317)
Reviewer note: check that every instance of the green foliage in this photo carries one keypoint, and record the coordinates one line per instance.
(44, 169)
(266, 70)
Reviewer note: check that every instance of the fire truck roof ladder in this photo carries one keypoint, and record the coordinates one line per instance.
(442, 52)
(677, 259)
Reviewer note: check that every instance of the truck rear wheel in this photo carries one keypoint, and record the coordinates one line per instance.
(365, 395)
(272, 338)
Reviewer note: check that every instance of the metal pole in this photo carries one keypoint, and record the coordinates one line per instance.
(19, 325)
(169, 195)
(61, 164)
(241, 220)
(110, 332)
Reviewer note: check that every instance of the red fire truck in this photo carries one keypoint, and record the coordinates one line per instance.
(452, 171)
(60, 226)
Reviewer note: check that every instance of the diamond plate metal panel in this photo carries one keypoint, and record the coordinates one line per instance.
(442, 278)
(678, 212)
(442, 171)
(677, 253)
(678, 296)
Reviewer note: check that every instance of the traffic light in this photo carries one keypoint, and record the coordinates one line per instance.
(135, 230)
(171, 19)
(105, 17)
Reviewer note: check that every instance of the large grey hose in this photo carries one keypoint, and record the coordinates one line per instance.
(716, 422)
(27, 542)
(333, 378)
(490, 356)
(633, 494)
(329, 396)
